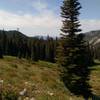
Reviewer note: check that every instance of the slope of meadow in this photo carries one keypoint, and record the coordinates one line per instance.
(40, 80)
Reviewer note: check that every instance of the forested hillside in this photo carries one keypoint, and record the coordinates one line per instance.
(15, 43)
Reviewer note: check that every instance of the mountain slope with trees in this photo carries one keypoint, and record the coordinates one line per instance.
(93, 37)
(15, 43)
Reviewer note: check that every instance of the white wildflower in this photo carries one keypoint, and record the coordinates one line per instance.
(23, 92)
(50, 93)
(1, 81)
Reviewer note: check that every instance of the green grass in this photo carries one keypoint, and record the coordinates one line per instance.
(42, 78)
(95, 78)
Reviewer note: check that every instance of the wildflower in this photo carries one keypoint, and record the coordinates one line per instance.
(1, 81)
(50, 93)
(23, 92)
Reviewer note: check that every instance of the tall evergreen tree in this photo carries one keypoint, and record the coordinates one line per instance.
(72, 51)
(34, 50)
(4, 41)
(1, 53)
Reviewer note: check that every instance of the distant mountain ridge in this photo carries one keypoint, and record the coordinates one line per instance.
(13, 33)
(94, 40)
(93, 37)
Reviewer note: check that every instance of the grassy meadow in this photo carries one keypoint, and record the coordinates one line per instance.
(41, 80)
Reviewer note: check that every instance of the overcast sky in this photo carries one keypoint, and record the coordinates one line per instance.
(42, 17)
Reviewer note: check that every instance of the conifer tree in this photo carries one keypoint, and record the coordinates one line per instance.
(72, 51)
(4, 42)
(1, 53)
(34, 50)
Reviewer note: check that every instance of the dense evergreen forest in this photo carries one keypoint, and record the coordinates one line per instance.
(15, 43)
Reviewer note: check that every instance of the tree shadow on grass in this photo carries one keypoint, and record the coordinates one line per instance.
(95, 97)
(96, 63)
